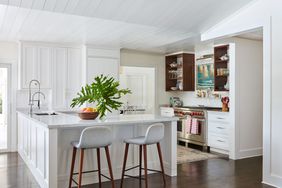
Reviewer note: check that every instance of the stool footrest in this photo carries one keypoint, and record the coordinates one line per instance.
(132, 168)
(90, 171)
(86, 172)
(152, 170)
(137, 177)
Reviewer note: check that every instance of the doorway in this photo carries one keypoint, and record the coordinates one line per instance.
(4, 107)
(141, 82)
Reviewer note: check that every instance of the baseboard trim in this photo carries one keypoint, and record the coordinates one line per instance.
(248, 153)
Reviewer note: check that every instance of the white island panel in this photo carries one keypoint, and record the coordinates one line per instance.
(44, 144)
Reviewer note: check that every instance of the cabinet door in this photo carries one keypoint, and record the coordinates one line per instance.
(29, 66)
(74, 74)
(44, 68)
(59, 78)
(105, 66)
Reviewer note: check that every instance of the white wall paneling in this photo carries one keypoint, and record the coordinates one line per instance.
(102, 61)
(35, 63)
(33, 148)
(59, 78)
(45, 65)
(58, 68)
(74, 74)
(252, 18)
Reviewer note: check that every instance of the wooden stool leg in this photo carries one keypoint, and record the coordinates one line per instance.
(80, 167)
(110, 166)
(124, 164)
(99, 166)
(72, 165)
(145, 165)
(161, 160)
(140, 163)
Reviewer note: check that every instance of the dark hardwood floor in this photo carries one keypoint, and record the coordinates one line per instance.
(212, 173)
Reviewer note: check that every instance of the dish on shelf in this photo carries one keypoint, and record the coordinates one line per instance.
(173, 88)
(224, 57)
(173, 65)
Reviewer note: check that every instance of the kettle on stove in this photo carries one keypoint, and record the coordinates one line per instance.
(175, 102)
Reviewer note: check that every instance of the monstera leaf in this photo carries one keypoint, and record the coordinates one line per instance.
(104, 91)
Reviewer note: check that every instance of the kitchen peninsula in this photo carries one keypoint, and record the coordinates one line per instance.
(44, 144)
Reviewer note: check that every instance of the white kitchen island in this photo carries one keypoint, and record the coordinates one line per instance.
(44, 145)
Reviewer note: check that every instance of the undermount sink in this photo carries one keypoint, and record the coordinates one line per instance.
(45, 114)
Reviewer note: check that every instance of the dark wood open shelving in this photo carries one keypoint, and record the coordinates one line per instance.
(220, 80)
(187, 64)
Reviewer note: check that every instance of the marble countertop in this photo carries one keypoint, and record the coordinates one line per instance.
(64, 120)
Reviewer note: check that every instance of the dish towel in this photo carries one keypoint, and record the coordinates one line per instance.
(195, 127)
(188, 124)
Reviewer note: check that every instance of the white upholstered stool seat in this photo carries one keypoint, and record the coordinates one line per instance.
(154, 135)
(92, 138)
(140, 140)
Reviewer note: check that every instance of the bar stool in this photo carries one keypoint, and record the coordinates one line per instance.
(92, 138)
(154, 135)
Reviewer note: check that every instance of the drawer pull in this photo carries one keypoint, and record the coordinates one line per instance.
(220, 141)
(219, 118)
(220, 127)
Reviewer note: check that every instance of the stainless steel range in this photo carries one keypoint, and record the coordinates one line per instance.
(186, 114)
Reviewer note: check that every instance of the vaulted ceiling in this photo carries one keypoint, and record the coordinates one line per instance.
(155, 25)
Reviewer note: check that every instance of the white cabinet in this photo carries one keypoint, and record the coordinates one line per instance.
(64, 69)
(44, 66)
(101, 61)
(74, 74)
(59, 77)
(35, 63)
(218, 131)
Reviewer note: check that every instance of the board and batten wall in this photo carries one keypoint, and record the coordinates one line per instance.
(144, 59)
(264, 14)
(9, 55)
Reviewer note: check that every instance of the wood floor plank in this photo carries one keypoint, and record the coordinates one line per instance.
(212, 173)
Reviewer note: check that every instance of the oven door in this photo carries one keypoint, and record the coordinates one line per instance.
(198, 137)
(181, 128)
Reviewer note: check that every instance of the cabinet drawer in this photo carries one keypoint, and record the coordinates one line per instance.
(218, 142)
(219, 117)
(218, 128)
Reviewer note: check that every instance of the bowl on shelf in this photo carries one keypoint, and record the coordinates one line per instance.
(173, 88)
(88, 115)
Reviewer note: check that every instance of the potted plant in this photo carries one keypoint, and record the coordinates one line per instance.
(104, 92)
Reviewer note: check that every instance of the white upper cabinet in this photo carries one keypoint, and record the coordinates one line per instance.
(74, 70)
(102, 61)
(59, 78)
(74, 74)
(35, 63)
(44, 66)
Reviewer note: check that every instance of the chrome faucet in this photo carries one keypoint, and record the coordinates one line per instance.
(38, 100)
(31, 96)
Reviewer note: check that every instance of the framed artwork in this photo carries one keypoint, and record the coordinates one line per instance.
(205, 76)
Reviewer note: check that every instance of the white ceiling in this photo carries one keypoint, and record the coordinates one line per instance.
(156, 25)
